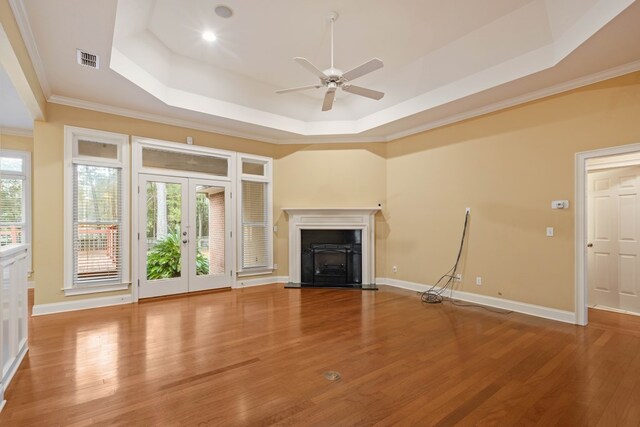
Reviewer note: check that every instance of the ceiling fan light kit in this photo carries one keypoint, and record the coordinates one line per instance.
(332, 78)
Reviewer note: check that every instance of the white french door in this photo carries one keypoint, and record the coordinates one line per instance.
(185, 239)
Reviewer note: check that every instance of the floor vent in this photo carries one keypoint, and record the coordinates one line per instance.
(332, 375)
(87, 59)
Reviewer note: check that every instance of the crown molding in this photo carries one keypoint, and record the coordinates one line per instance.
(157, 118)
(20, 14)
(25, 133)
(522, 99)
(338, 139)
(345, 139)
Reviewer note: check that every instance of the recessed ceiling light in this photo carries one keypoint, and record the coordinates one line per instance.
(223, 11)
(209, 36)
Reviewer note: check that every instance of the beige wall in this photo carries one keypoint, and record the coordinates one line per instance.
(328, 175)
(507, 167)
(49, 181)
(13, 142)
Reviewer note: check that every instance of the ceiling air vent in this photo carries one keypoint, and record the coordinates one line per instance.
(87, 59)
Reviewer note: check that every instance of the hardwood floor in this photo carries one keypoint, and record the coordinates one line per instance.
(256, 356)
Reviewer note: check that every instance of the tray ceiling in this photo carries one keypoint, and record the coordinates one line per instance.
(444, 60)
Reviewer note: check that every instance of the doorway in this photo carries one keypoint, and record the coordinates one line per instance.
(582, 221)
(184, 235)
(613, 221)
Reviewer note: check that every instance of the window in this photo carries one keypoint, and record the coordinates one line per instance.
(15, 199)
(255, 252)
(97, 212)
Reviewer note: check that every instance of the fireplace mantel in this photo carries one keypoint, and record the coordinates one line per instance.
(332, 219)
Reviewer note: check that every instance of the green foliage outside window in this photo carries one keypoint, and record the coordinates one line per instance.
(163, 261)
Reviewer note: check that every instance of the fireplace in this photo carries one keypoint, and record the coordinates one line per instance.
(332, 247)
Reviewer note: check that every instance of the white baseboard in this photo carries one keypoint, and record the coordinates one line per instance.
(245, 283)
(505, 304)
(83, 304)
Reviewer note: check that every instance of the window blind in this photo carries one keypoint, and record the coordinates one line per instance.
(97, 224)
(255, 251)
(12, 215)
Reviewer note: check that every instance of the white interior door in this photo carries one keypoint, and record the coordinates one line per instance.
(614, 238)
(185, 241)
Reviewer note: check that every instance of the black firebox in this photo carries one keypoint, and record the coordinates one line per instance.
(331, 258)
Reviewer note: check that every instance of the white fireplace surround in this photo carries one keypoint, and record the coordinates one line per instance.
(332, 219)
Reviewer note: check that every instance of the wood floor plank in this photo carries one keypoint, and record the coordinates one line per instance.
(256, 356)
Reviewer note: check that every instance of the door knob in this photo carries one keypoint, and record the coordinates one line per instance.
(184, 233)
(589, 245)
(185, 241)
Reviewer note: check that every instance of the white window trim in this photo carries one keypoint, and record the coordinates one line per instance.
(26, 173)
(71, 136)
(268, 179)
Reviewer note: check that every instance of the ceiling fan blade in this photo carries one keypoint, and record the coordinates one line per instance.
(295, 89)
(309, 66)
(363, 69)
(328, 99)
(363, 91)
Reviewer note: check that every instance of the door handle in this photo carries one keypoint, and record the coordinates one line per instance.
(185, 241)
(589, 245)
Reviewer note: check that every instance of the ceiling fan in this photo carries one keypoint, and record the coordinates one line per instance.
(333, 78)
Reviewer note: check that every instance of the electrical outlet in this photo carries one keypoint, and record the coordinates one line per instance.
(275, 266)
(467, 210)
(394, 269)
(478, 280)
(458, 277)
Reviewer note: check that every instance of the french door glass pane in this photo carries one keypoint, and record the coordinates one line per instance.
(210, 232)
(163, 230)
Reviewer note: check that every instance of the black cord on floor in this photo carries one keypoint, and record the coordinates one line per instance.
(434, 295)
